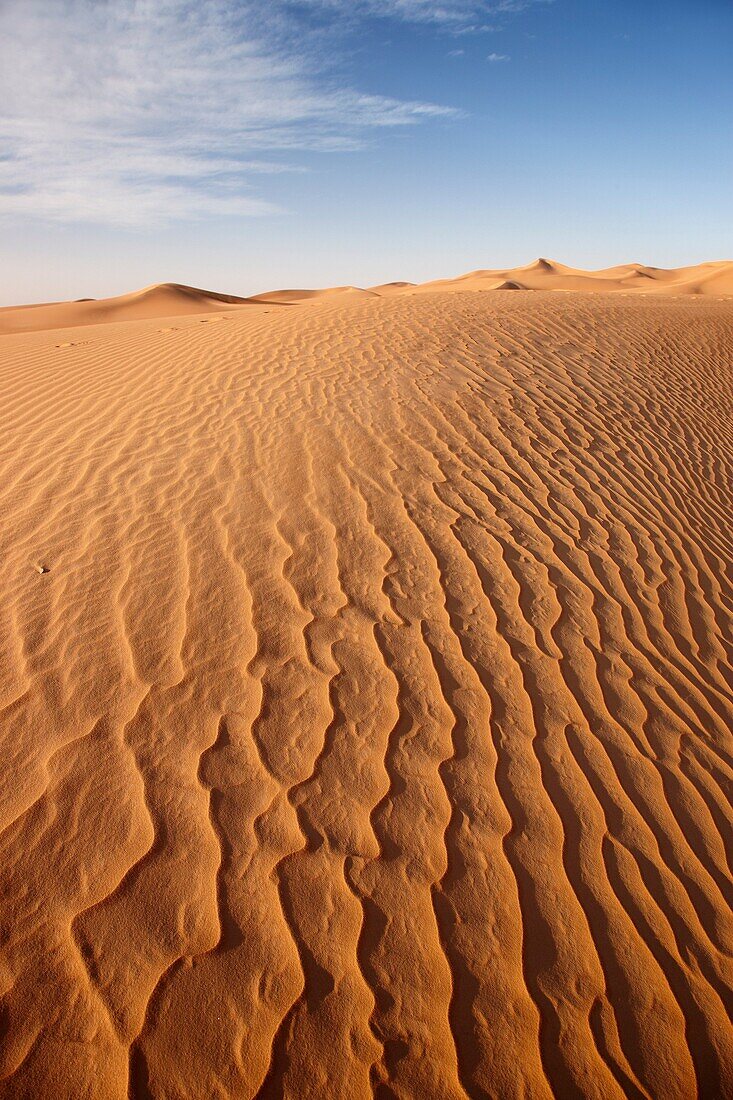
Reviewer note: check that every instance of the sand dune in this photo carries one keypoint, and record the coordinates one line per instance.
(366, 693)
(289, 296)
(173, 299)
(710, 278)
(160, 300)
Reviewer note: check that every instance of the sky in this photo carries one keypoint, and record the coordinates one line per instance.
(247, 145)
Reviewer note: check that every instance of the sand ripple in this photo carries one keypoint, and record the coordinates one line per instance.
(366, 701)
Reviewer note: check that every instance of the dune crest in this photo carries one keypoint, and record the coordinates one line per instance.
(174, 299)
(159, 300)
(707, 278)
(289, 296)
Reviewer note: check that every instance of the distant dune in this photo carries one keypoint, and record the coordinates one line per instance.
(366, 691)
(173, 299)
(161, 300)
(310, 295)
(710, 278)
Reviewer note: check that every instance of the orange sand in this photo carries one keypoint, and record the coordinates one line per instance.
(366, 693)
(173, 299)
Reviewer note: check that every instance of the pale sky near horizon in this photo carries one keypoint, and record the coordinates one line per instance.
(244, 145)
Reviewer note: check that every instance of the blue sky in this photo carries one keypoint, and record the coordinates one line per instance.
(244, 145)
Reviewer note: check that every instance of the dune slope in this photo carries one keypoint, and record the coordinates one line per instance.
(160, 300)
(708, 278)
(366, 701)
(174, 299)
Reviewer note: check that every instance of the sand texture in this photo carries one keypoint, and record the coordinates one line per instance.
(366, 693)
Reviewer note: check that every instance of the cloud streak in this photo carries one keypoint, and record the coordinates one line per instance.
(450, 14)
(139, 111)
(133, 112)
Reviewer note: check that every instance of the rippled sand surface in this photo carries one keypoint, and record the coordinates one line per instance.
(365, 677)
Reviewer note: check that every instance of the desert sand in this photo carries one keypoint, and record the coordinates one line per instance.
(366, 691)
(173, 299)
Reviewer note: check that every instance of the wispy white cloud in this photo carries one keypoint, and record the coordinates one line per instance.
(134, 111)
(457, 14)
(493, 57)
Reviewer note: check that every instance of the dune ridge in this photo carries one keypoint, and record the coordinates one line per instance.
(366, 696)
(158, 300)
(174, 299)
(706, 278)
